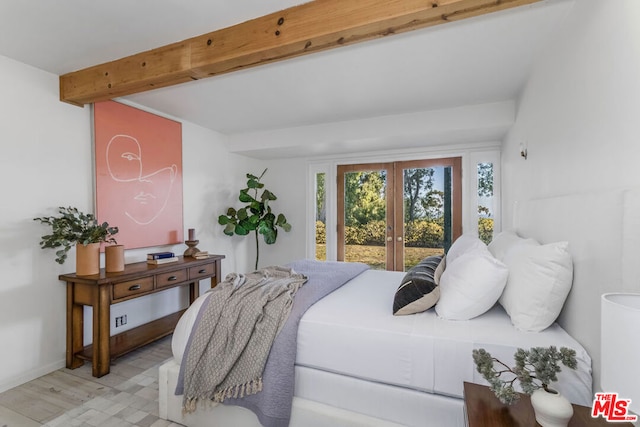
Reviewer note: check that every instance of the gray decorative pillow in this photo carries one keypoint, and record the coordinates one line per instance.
(419, 290)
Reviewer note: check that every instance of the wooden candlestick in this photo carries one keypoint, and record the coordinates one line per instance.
(192, 250)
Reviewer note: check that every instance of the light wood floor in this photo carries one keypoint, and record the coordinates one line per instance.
(126, 397)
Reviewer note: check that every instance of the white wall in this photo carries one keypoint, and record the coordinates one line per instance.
(578, 117)
(287, 179)
(46, 162)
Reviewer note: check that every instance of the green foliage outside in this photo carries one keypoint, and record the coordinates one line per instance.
(321, 233)
(485, 179)
(485, 189)
(420, 233)
(375, 256)
(485, 229)
(424, 214)
(364, 197)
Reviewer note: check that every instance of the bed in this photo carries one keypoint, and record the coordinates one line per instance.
(359, 365)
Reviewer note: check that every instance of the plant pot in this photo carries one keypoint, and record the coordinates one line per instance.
(87, 259)
(551, 408)
(114, 258)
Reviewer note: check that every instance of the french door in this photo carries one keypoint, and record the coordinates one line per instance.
(391, 215)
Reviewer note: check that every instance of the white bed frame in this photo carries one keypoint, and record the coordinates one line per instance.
(446, 411)
(603, 262)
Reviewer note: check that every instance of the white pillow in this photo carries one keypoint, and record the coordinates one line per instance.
(503, 241)
(470, 285)
(463, 244)
(540, 279)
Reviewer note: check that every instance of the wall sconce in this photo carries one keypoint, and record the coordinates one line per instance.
(523, 150)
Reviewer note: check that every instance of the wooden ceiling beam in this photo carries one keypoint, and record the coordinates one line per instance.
(310, 27)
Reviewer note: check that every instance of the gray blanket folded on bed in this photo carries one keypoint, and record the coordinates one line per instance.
(273, 405)
(229, 345)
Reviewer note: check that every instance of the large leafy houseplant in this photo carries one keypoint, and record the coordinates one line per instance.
(256, 216)
(74, 227)
(535, 368)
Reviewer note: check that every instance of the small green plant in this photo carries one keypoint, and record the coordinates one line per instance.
(534, 368)
(256, 216)
(73, 227)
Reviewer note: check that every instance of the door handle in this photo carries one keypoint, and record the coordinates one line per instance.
(134, 287)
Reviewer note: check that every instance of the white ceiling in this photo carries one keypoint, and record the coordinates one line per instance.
(481, 60)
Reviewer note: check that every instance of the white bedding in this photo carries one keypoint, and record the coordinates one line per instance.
(353, 333)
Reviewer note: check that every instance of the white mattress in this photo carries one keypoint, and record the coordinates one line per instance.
(352, 332)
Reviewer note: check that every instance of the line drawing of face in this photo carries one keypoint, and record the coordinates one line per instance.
(149, 194)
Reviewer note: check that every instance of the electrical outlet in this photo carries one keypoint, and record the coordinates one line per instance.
(121, 320)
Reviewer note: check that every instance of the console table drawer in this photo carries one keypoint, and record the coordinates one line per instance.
(206, 270)
(132, 287)
(171, 278)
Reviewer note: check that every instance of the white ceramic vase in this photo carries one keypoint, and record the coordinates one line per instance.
(551, 408)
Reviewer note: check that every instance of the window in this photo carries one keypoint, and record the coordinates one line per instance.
(485, 202)
(438, 202)
(392, 215)
(321, 217)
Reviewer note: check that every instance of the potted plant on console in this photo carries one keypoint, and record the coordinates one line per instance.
(534, 369)
(73, 227)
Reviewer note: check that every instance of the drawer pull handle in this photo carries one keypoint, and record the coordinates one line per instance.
(202, 271)
(172, 278)
(134, 287)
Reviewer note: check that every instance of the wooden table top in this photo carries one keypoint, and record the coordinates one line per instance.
(483, 409)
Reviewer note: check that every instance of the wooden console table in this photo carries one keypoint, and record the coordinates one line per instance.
(138, 279)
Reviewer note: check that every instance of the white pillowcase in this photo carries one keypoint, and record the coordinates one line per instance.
(503, 241)
(463, 244)
(540, 278)
(470, 285)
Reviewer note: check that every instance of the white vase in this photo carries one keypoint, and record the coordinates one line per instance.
(551, 408)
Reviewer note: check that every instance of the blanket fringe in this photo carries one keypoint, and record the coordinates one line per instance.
(189, 405)
(239, 390)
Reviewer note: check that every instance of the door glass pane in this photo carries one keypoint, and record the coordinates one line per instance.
(321, 218)
(365, 212)
(427, 213)
(485, 202)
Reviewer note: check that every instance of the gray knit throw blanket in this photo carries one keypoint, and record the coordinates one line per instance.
(229, 345)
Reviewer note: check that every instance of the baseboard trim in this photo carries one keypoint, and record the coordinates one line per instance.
(25, 377)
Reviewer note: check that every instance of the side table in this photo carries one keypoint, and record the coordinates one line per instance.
(483, 409)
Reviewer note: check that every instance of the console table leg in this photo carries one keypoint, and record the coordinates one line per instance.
(75, 317)
(194, 291)
(101, 334)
